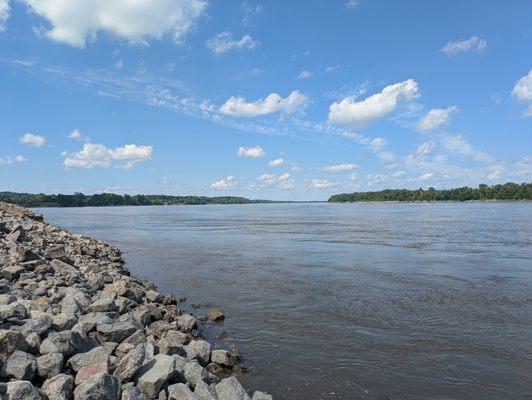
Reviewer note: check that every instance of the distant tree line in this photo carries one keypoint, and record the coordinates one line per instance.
(507, 191)
(109, 199)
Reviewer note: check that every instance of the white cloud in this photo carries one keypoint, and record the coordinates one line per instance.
(426, 177)
(398, 174)
(225, 184)
(321, 184)
(332, 68)
(4, 13)
(9, 160)
(304, 74)
(77, 135)
(74, 22)
(267, 179)
(352, 3)
(254, 152)
(276, 163)
(238, 107)
(457, 144)
(436, 118)
(224, 42)
(99, 156)
(356, 114)
(522, 90)
(284, 177)
(340, 167)
(425, 148)
(474, 43)
(33, 140)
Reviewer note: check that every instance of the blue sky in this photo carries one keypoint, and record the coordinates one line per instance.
(278, 99)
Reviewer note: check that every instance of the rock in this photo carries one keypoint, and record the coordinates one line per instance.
(154, 374)
(12, 272)
(131, 363)
(49, 365)
(63, 322)
(71, 306)
(97, 355)
(13, 310)
(20, 365)
(16, 234)
(64, 342)
(39, 325)
(116, 332)
(53, 252)
(186, 322)
(131, 342)
(59, 387)
(261, 396)
(24, 254)
(10, 340)
(200, 350)
(88, 322)
(216, 315)
(99, 387)
(195, 373)
(91, 370)
(159, 328)
(153, 296)
(133, 393)
(172, 342)
(231, 389)
(205, 392)
(224, 357)
(180, 391)
(106, 303)
(32, 341)
(23, 390)
(63, 269)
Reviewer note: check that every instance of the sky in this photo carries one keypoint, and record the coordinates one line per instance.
(284, 100)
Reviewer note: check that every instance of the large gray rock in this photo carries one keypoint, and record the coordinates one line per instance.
(99, 387)
(180, 391)
(64, 269)
(71, 306)
(131, 363)
(104, 304)
(172, 342)
(133, 393)
(224, 357)
(16, 234)
(11, 272)
(10, 340)
(49, 365)
(200, 350)
(23, 390)
(130, 343)
(154, 374)
(117, 331)
(186, 322)
(20, 365)
(95, 356)
(205, 392)
(231, 389)
(39, 325)
(65, 342)
(59, 387)
(63, 322)
(53, 252)
(195, 373)
(13, 310)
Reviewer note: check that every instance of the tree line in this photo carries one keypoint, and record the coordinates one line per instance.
(110, 199)
(507, 191)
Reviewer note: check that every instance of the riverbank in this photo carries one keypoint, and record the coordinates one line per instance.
(75, 325)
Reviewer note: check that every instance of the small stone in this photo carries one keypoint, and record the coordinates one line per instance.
(59, 387)
(216, 315)
(98, 387)
(21, 365)
(231, 389)
(91, 370)
(12, 272)
(49, 365)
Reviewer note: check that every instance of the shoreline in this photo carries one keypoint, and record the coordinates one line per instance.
(74, 324)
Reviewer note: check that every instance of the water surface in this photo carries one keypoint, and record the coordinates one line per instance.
(328, 301)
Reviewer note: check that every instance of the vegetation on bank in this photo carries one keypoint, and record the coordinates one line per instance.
(109, 199)
(507, 191)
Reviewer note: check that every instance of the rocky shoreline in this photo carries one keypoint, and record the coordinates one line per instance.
(75, 325)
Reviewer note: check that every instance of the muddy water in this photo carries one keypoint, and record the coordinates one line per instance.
(346, 301)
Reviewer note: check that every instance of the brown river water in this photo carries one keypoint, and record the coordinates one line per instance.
(347, 301)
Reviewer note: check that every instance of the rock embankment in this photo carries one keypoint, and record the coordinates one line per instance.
(75, 325)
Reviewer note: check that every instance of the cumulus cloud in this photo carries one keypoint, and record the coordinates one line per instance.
(436, 118)
(74, 22)
(10, 160)
(426, 177)
(224, 42)
(352, 3)
(4, 13)
(77, 135)
(99, 156)
(225, 184)
(340, 167)
(474, 43)
(284, 177)
(458, 145)
(522, 91)
(425, 148)
(33, 140)
(321, 184)
(283, 181)
(254, 152)
(239, 107)
(356, 114)
(304, 74)
(276, 163)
